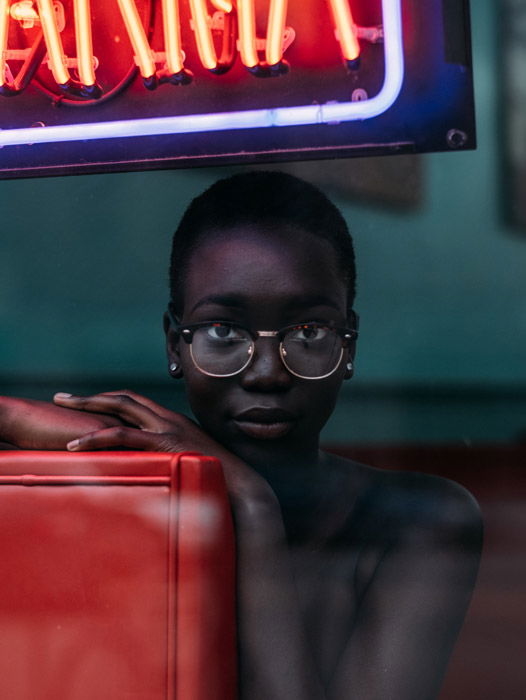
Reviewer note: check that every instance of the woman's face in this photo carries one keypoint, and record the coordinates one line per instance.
(263, 282)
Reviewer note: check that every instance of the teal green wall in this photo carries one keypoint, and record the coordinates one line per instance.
(442, 290)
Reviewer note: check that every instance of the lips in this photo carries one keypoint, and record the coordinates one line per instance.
(265, 423)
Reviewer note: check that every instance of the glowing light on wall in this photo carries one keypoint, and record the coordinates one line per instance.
(242, 119)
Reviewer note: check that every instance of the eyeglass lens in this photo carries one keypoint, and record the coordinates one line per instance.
(308, 351)
(220, 349)
(311, 351)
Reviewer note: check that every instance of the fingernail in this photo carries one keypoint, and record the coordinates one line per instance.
(73, 444)
(62, 395)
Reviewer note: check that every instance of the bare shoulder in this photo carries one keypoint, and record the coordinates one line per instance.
(417, 542)
(399, 504)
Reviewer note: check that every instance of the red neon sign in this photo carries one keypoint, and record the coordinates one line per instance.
(46, 22)
(256, 78)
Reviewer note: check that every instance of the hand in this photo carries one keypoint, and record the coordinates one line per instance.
(38, 425)
(142, 424)
(145, 425)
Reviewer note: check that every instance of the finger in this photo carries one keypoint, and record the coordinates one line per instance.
(120, 405)
(144, 400)
(121, 436)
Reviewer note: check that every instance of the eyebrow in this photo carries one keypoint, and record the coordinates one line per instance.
(313, 300)
(238, 301)
(231, 300)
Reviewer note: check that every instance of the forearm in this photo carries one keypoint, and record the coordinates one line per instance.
(32, 425)
(275, 661)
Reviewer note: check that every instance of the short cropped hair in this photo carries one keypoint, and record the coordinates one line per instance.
(275, 199)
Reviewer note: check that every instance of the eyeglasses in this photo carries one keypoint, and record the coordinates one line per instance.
(308, 350)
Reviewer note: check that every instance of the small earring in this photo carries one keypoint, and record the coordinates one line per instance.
(349, 366)
(173, 367)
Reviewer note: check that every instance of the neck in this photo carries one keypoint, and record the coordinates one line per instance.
(307, 494)
(281, 462)
(297, 477)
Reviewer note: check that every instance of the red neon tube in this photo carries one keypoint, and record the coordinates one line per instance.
(204, 40)
(4, 31)
(84, 42)
(172, 36)
(57, 59)
(139, 41)
(203, 34)
(247, 33)
(345, 27)
(276, 27)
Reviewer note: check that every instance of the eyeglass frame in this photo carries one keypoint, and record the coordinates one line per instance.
(347, 335)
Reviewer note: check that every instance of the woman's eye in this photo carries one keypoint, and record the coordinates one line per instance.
(308, 333)
(220, 331)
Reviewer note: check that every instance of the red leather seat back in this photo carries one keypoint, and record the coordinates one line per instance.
(116, 577)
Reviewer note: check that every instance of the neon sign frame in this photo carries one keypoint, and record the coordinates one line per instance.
(402, 83)
(301, 115)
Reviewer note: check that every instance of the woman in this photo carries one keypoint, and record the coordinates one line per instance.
(352, 582)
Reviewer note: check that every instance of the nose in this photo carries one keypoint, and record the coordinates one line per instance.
(266, 372)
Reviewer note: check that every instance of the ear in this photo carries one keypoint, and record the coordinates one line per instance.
(351, 348)
(172, 348)
(349, 362)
